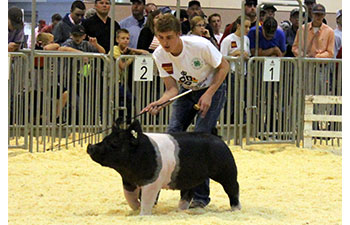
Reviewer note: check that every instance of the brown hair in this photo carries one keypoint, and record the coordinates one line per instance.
(195, 20)
(122, 30)
(168, 23)
(150, 17)
(44, 39)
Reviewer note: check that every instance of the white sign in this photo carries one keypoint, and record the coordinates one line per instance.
(272, 69)
(143, 68)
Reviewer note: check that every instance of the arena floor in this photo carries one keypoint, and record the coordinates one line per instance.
(280, 184)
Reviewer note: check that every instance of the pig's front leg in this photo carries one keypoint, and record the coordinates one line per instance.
(131, 194)
(148, 198)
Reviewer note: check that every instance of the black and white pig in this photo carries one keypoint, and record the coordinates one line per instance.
(152, 161)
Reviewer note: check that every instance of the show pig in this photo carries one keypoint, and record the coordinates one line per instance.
(179, 161)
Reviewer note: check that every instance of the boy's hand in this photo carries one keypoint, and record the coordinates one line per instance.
(93, 41)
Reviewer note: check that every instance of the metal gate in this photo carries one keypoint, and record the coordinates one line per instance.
(271, 101)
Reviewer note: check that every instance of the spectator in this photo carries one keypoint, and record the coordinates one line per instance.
(37, 30)
(320, 38)
(292, 31)
(89, 13)
(270, 10)
(135, 22)
(310, 4)
(285, 25)
(183, 15)
(150, 7)
(148, 41)
(250, 12)
(63, 29)
(195, 64)
(15, 29)
(338, 33)
(197, 24)
(194, 9)
(230, 46)
(262, 16)
(99, 25)
(272, 41)
(55, 19)
(45, 41)
(215, 23)
(76, 42)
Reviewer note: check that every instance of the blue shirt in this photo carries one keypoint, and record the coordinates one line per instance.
(278, 40)
(134, 27)
(16, 36)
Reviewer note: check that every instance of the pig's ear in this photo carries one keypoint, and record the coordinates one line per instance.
(116, 124)
(136, 126)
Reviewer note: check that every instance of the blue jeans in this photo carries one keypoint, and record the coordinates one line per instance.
(182, 116)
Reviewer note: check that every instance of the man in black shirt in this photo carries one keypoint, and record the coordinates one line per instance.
(99, 25)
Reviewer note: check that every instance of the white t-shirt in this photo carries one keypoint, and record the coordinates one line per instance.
(218, 37)
(195, 67)
(232, 43)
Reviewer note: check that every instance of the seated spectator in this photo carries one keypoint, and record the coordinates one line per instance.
(338, 34)
(320, 38)
(76, 42)
(15, 29)
(272, 41)
(63, 29)
(198, 27)
(148, 41)
(215, 23)
(292, 31)
(55, 19)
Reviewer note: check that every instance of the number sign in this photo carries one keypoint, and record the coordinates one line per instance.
(272, 69)
(143, 68)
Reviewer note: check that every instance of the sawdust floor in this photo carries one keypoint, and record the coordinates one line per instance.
(280, 184)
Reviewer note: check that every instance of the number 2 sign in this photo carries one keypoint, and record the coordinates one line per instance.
(272, 69)
(143, 68)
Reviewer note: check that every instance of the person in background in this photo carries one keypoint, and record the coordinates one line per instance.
(15, 29)
(89, 13)
(55, 19)
(310, 4)
(150, 7)
(215, 23)
(63, 29)
(135, 22)
(99, 25)
(198, 27)
(76, 42)
(37, 30)
(272, 41)
(270, 10)
(147, 40)
(183, 15)
(292, 31)
(250, 12)
(338, 33)
(320, 38)
(45, 41)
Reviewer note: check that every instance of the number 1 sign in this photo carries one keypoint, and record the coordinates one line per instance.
(143, 68)
(272, 69)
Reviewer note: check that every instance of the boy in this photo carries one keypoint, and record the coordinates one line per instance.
(76, 42)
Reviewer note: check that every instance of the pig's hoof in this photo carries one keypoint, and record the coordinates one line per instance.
(183, 204)
(236, 208)
(135, 206)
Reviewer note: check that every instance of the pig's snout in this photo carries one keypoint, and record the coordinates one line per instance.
(90, 149)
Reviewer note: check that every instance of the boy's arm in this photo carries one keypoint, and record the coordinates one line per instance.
(52, 47)
(68, 49)
(135, 51)
(93, 42)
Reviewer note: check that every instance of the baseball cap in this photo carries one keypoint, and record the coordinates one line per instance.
(15, 15)
(269, 6)
(339, 13)
(251, 2)
(294, 11)
(141, 1)
(318, 8)
(77, 30)
(309, 1)
(194, 2)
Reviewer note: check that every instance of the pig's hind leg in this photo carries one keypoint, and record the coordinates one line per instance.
(186, 197)
(131, 194)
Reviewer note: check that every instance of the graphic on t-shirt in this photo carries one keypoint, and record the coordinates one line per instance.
(186, 79)
(197, 63)
(233, 44)
(168, 67)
